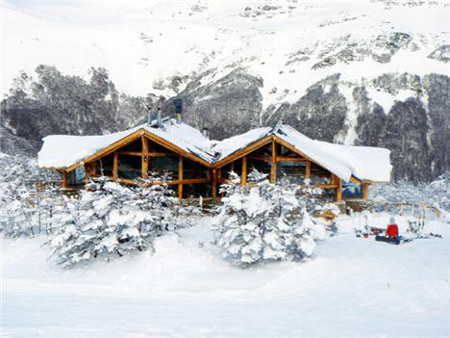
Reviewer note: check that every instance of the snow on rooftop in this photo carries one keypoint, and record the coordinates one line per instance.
(366, 163)
(60, 151)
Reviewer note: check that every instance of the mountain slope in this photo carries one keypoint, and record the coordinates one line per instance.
(365, 72)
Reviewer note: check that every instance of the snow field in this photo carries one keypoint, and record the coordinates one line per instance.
(352, 287)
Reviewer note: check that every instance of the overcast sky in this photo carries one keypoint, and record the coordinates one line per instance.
(82, 11)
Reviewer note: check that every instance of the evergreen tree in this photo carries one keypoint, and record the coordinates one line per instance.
(264, 221)
(113, 220)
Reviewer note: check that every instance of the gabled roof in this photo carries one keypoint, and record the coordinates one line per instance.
(63, 151)
(364, 163)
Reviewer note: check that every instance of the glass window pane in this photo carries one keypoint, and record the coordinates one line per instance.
(352, 190)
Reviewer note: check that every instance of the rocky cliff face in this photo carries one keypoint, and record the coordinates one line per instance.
(415, 128)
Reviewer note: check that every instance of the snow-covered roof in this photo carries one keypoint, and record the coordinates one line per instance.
(365, 163)
(62, 151)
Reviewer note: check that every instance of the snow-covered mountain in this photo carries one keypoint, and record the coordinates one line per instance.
(358, 72)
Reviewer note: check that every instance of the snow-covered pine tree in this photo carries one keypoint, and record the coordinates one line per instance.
(111, 220)
(264, 221)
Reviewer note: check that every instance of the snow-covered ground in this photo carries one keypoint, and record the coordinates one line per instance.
(352, 287)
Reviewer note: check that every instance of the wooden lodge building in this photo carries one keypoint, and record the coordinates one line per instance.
(198, 165)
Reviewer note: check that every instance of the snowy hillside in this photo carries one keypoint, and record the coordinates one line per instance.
(290, 44)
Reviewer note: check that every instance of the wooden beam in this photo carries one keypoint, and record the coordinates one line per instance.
(214, 184)
(244, 171)
(180, 178)
(326, 186)
(232, 166)
(291, 159)
(144, 156)
(174, 182)
(130, 153)
(155, 154)
(116, 167)
(162, 154)
(273, 163)
(365, 187)
(87, 172)
(308, 170)
(339, 190)
(94, 169)
(65, 180)
(264, 158)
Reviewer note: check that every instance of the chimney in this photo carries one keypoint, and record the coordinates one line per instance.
(158, 117)
(205, 132)
(149, 114)
(178, 107)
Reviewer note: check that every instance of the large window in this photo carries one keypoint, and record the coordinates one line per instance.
(319, 175)
(352, 190)
(193, 170)
(167, 164)
(130, 167)
(294, 171)
(105, 166)
(261, 166)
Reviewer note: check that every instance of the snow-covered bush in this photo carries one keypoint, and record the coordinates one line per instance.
(25, 209)
(110, 220)
(264, 221)
(437, 193)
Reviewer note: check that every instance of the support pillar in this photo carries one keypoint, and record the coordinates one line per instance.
(273, 163)
(116, 167)
(365, 187)
(145, 157)
(244, 171)
(308, 170)
(339, 190)
(180, 178)
(87, 172)
(65, 180)
(214, 184)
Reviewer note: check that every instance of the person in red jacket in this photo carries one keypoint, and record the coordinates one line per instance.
(392, 229)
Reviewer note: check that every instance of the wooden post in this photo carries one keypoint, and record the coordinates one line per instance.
(65, 180)
(273, 163)
(244, 171)
(144, 162)
(232, 166)
(339, 190)
(308, 170)
(116, 167)
(180, 178)
(87, 173)
(94, 169)
(365, 187)
(214, 184)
